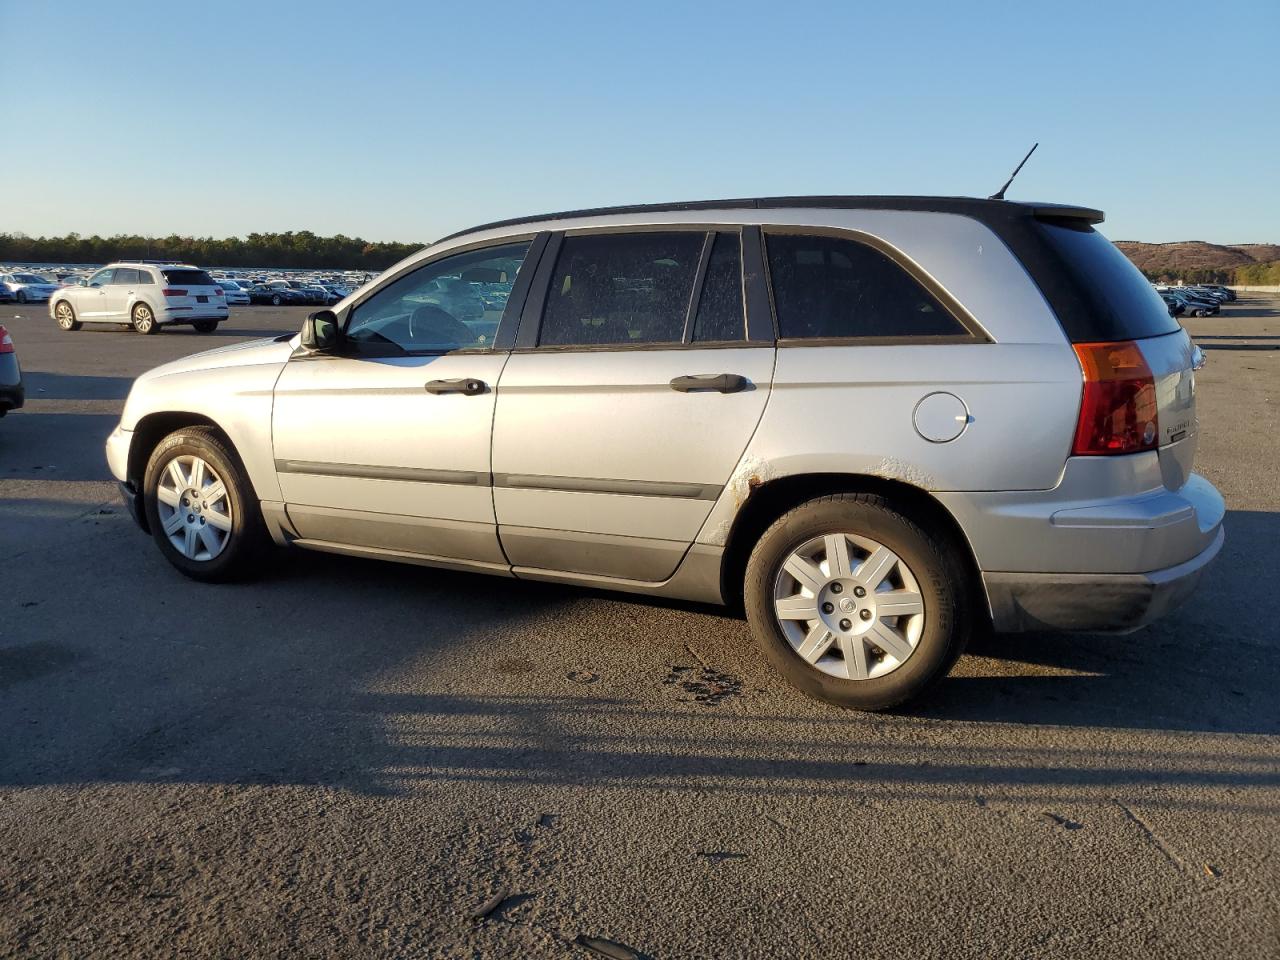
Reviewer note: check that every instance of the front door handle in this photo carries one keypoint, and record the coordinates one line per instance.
(467, 386)
(719, 382)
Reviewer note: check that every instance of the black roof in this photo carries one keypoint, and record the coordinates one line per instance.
(986, 211)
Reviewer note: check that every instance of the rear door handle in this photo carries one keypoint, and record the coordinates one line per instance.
(466, 385)
(719, 382)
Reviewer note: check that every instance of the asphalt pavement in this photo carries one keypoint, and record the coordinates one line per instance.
(357, 759)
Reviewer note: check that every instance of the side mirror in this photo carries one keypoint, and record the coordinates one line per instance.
(321, 332)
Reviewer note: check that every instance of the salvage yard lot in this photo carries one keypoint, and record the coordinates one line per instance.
(351, 758)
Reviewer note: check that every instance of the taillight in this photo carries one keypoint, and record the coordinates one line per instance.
(171, 292)
(1118, 411)
(6, 341)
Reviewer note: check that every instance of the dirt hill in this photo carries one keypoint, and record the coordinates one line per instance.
(1196, 255)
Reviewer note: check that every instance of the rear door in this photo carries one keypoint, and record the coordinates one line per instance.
(628, 402)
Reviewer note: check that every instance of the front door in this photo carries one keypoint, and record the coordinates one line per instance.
(119, 293)
(386, 444)
(618, 427)
(91, 300)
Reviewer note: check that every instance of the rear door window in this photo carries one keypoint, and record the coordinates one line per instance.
(621, 289)
(146, 276)
(125, 276)
(1120, 303)
(827, 287)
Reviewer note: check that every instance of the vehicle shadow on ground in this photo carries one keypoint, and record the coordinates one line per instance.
(399, 676)
(34, 446)
(61, 386)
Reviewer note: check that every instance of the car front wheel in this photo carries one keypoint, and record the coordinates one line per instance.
(65, 316)
(201, 508)
(856, 604)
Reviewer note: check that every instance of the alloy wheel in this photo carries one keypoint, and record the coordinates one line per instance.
(849, 606)
(66, 318)
(194, 509)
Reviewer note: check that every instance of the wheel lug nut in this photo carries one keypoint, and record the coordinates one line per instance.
(828, 607)
(846, 625)
(865, 614)
(859, 592)
(190, 518)
(837, 588)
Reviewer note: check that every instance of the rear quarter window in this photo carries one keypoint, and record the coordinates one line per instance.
(1119, 303)
(828, 287)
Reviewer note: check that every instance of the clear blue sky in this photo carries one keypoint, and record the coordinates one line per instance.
(408, 121)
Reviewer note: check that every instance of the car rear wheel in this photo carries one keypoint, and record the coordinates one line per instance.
(65, 316)
(144, 321)
(205, 326)
(856, 604)
(22, 296)
(275, 300)
(201, 508)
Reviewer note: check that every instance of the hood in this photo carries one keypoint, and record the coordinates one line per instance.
(237, 355)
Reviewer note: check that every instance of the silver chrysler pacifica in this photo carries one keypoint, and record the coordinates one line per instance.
(875, 423)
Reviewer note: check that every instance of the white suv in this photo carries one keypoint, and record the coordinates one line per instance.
(146, 296)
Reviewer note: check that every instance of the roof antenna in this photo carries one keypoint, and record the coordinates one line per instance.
(999, 194)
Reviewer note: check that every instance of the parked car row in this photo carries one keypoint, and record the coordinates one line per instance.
(1201, 300)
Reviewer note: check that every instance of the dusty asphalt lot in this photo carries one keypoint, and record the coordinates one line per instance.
(349, 758)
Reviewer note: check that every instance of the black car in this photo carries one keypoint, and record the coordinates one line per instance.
(275, 296)
(11, 392)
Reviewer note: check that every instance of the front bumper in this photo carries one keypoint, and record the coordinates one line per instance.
(133, 502)
(1118, 602)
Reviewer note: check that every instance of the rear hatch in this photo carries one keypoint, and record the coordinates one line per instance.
(1120, 306)
(188, 290)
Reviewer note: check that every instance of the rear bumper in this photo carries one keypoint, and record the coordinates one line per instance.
(1113, 546)
(12, 394)
(1098, 602)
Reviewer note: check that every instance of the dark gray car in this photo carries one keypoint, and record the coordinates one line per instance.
(11, 392)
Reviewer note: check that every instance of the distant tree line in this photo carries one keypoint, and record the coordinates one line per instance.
(300, 249)
(1250, 274)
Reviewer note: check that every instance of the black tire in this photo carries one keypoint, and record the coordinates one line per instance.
(61, 318)
(143, 319)
(275, 300)
(249, 541)
(22, 296)
(205, 326)
(939, 574)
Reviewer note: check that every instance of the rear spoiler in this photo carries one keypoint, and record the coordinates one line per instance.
(1063, 211)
